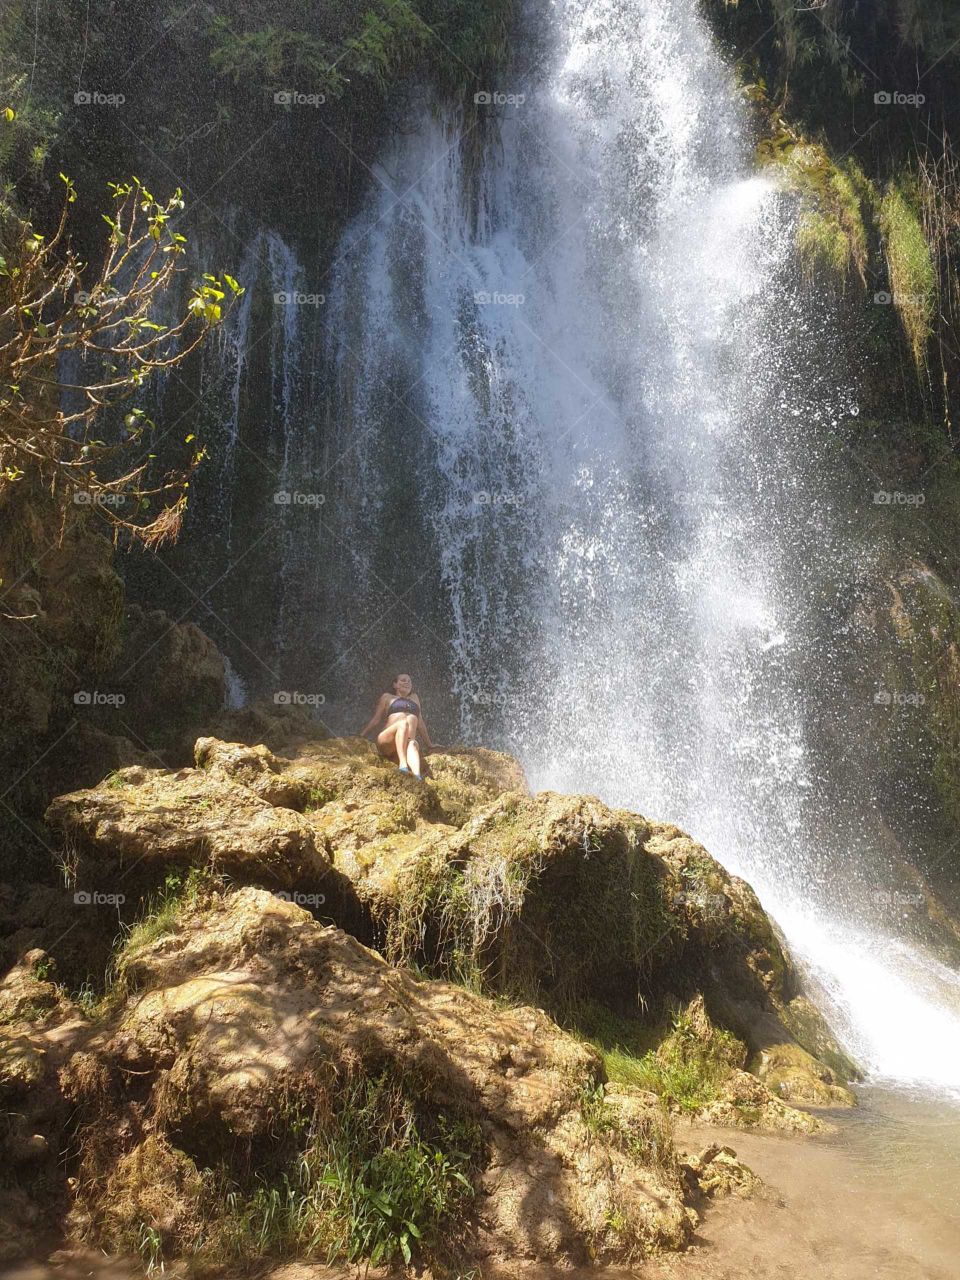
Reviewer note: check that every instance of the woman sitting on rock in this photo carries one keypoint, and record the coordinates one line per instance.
(405, 723)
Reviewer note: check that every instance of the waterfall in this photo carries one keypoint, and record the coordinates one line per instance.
(590, 359)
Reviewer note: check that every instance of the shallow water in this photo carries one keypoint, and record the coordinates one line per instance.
(880, 1198)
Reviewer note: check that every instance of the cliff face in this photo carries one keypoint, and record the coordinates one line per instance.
(353, 1015)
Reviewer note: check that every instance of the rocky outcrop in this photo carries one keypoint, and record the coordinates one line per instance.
(251, 1013)
(249, 1052)
(748, 981)
(26, 992)
(147, 817)
(717, 1171)
(170, 674)
(551, 898)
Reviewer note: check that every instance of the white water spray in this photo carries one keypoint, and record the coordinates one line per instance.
(605, 362)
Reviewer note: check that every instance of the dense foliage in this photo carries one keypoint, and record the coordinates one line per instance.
(226, 104)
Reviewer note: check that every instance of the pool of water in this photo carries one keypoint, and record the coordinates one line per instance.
(878, 1199)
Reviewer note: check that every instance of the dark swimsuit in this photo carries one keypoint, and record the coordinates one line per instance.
(404, 706)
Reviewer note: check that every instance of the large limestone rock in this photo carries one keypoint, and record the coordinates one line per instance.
(251, 1011)
(556, 898)
(143, 817)
(748, 980)
(718, 1172)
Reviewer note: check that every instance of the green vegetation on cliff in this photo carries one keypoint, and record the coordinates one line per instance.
(278, 107)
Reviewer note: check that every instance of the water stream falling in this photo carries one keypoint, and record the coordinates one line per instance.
(576, 394)
(612, 392)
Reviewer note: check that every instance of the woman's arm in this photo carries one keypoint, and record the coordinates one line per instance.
(377, 714)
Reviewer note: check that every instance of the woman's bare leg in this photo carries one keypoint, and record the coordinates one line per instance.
(403, 738)
(413, 747)
(387, 740)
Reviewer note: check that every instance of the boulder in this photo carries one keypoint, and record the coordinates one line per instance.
(795, 1075)
(188, 817)
(746, 1103)
(550, 898)
(26, 994)
(748, 980)
(251, 1014)
(718, 1172)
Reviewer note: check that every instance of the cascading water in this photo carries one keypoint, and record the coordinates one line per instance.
(610, 386)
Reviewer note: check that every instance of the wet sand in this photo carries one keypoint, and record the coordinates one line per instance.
(877, 1200)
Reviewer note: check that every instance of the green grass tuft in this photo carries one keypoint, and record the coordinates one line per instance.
(913, 276)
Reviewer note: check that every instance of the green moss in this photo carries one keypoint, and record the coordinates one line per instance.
(832, 232)
(913, 276)
(648, 1138)
(541, 903)
(370, 1185)
(357, 1175)
(926, 620)
(684, 1061)
(690, 1064)
(181, 890)
(320, 796)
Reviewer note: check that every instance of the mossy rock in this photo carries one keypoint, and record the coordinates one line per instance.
(793, 1074)
(155, 819)
(549, 899)
(804, 1020)
(256, 1029)
(551, 895)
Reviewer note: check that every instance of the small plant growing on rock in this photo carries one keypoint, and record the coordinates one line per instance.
(371, 1182)
(180, 890)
